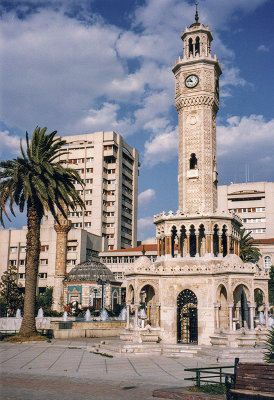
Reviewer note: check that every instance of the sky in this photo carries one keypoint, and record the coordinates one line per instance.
(91, 65)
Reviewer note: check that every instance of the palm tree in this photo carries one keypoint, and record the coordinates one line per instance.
(38, 180)
(249, 252)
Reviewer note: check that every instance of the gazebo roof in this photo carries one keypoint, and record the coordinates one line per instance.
(90, 271)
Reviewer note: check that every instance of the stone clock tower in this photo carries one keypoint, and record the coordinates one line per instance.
(197, 103)
(198, 291)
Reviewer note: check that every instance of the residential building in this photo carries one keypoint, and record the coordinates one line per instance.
(109, 169)
(254, 203)
(81, 246)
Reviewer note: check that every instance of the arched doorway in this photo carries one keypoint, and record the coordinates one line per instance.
(241, 310)
(223, 313)
(187, 318)
(147, 300)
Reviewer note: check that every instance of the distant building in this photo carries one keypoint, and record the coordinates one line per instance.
(81, 246)
(254, 203)
(109, 168)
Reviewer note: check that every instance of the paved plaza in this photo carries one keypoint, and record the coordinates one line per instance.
(64, 369)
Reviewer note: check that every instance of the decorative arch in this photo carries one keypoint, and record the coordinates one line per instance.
(223, 310)
(187, 317)
(130, 294)
(197, 45)
(241, 296)
(148, 302)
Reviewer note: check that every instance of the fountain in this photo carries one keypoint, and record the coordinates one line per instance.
(87, 316)
(40, 313)
(123, 314)
(18, 313)
(65, 316)
(143, 317)
(261, 318)
(104, 315)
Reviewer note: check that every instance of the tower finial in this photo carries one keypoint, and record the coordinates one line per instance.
(196, 15)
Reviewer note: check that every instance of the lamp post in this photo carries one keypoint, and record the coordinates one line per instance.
(95, 293)
(8, 278)
(102, 283)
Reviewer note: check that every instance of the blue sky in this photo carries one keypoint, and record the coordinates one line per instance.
(91, 65)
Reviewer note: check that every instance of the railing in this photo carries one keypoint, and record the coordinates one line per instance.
(209, 373)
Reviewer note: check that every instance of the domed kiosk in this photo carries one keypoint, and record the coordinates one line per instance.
(92, 284)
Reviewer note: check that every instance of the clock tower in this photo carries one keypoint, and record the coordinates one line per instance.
(197, 102)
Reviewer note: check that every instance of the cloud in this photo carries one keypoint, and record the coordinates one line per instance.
(146, 228)
(263, 48)
(10, 143)
(146, 197)
(243, 133)
(245, 142)
(161, 148)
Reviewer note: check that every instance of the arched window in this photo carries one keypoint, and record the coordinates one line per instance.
(193, 163)
(197, 46)
(267, 262)
(190, 47)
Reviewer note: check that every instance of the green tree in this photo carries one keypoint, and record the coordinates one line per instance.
(271, 285)
(269, 354)
(248, 249)
(38, 181)
(45, 301)
(11, 297)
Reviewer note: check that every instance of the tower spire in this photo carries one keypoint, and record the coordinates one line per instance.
(196, 14)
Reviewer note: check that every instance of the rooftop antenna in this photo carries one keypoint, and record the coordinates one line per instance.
(196, 15)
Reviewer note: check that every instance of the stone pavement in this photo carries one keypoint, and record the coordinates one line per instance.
(65, 369)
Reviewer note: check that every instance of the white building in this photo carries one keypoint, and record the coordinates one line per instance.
(109, 168)
(254, 203)
(81, 246)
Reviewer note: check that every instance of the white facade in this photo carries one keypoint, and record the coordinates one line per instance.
(109, 168)
(81, 246)
(254, 203)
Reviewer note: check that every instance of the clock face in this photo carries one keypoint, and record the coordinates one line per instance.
(192, 81)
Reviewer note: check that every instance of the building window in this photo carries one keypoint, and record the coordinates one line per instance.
(193, 163)
(267, 262)
(21, 276)
(44, 248)
(71, 248)
(13, 249)
(23, 249)
(89, 159)
(43, 275)
(44, 261)
(71, 262)
(12, 263)
(87, 224)
(22, 262)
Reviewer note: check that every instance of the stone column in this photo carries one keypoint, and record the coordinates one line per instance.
(230, 306)
(148, 312)
(136, 307)
(228, 244)
(251, 315)
(157, 315)
(158, 246)
(162, 246)
(238, 307)
(128, 315)
(220, 246)
(179, 246)
(197, 246)
(62, 230)
(217, 308)
(168, 244)
(187, 245)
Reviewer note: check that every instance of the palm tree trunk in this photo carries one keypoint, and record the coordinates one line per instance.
(34, 215)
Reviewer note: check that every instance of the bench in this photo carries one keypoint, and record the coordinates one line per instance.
(252, 381)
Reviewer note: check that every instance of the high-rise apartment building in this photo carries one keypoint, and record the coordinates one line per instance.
(109, 168)
(254, 203)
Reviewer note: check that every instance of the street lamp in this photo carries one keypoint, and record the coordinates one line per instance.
(8, 278)
(102, 283)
